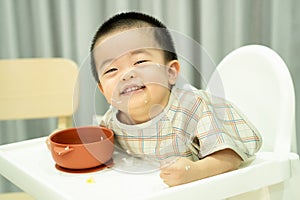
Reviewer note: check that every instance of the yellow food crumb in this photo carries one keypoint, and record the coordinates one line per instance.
(90, 180)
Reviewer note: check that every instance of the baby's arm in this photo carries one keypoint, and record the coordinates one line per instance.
(185, 170)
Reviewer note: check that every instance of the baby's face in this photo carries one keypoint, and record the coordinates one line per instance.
(136, 82)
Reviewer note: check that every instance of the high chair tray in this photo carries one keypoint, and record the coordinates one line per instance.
(30, 166)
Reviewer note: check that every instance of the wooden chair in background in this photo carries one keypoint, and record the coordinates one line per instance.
(36, 88)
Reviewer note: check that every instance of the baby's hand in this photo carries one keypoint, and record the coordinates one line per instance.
(179, 172)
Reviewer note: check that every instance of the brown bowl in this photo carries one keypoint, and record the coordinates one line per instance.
(82, 147)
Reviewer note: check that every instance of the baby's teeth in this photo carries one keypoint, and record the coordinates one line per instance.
(131, 89)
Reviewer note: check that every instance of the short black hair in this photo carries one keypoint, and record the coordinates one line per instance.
(134, 19)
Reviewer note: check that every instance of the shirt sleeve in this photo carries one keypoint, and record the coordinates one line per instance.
(223, 126)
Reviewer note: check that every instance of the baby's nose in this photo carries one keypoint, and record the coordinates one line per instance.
(129, 75)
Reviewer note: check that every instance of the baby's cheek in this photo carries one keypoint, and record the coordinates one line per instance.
(108, 95)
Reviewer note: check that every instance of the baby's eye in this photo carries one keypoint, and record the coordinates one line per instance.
(110, 71)
(140, 62)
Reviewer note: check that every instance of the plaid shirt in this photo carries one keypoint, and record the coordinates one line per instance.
(193, 124)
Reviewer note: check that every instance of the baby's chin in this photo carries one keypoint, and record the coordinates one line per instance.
(132, 102)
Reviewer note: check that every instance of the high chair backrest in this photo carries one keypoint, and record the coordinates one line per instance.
(38, 88)
(258, 82)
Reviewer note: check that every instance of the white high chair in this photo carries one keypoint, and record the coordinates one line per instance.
(257, 81)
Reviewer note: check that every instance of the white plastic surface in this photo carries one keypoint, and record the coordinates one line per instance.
(29, 165)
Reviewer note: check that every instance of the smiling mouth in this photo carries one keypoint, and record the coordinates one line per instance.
(131, 89)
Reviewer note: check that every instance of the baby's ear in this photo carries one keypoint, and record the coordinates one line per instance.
(173, 71)
(100, 87)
